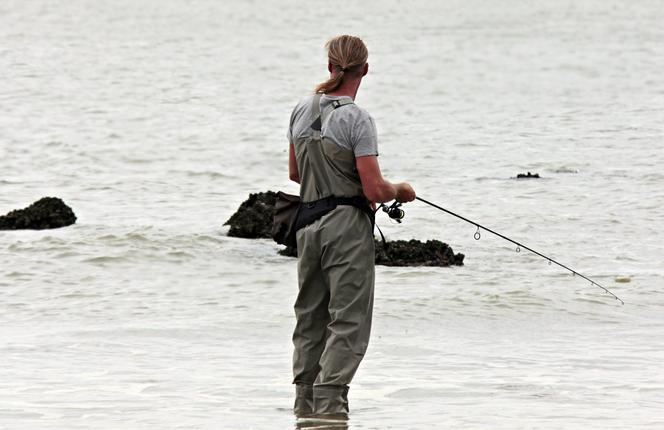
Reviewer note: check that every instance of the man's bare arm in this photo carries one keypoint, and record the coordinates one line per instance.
(293, 174)
(375, 187)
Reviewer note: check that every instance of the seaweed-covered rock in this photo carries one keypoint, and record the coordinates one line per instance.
(47, 212)
(408, 253)
(528, 176)
(253, 219)
(288, 251)
(417, 253)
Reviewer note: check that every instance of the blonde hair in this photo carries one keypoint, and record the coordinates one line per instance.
(347, 54)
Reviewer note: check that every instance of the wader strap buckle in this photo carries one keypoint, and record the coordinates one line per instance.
(342, 102)
(317, 116)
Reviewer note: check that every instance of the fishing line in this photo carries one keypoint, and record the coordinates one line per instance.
(478, 235)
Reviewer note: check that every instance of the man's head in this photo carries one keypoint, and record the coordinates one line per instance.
(347, 58)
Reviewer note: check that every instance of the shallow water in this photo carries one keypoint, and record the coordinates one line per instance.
(154, 120)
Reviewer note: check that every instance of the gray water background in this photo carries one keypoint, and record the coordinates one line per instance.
(155, 119)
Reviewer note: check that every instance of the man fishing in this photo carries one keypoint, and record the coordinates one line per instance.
(333, 156)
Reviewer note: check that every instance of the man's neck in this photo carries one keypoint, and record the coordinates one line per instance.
(348, 88)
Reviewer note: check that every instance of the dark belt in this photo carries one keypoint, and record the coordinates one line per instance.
(312, 211)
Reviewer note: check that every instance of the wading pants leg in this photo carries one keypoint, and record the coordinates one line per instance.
(310, 330)
(334, 306)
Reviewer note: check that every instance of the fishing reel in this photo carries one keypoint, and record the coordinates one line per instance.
(394, 211)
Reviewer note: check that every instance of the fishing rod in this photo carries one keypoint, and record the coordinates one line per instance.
(395, 212)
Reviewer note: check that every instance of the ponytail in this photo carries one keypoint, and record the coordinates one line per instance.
(332, 83)
(347, 54)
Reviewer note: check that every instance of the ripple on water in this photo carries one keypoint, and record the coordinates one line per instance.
(107, 259)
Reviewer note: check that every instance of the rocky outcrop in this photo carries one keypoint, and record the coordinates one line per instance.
(253, 220)
(528, 176)
(408, 253)
(45, 213)
(417, 253)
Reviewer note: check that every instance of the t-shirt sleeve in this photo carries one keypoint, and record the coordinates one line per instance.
(289, 133)
(364, 137)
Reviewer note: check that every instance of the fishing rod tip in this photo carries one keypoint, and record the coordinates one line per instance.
(619, 299)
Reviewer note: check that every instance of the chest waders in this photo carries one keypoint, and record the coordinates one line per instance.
(335, 272)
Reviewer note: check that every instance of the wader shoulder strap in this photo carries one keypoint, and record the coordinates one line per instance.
(318, 176)
(342, 102)
(319, 117)
(320, 170)
(333, 106)
(315, 113)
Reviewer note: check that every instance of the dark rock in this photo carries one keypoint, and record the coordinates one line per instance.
(288, 251)
(408, 253)
(47, 212)
(416, 253)
(528, 175)
(253, 220)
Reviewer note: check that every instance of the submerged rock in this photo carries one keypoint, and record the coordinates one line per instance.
(528, 175)
(566, 170)
(416, 253)
(408, 253)
(47, 212)
(288, 251)
(253, 219)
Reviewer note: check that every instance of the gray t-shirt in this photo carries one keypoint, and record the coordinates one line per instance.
(349, 126)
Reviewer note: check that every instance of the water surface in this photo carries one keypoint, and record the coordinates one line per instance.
(154, 120)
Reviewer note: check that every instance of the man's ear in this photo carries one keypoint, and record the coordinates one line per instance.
(330, 67)
(365, 69)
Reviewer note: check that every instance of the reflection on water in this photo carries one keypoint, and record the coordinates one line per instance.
(336, 422)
